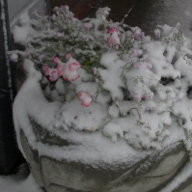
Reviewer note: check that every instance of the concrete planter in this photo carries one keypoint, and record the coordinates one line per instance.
(150, 173)
(155, 170)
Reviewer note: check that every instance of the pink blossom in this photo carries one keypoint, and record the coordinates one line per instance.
(74, 66)
(85, 98)
(46, 70)
(53, 75)
(113, 39)
(60, 70)
(70, 70)
(112, 30)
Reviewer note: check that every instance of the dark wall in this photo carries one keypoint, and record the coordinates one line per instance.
(10, 156)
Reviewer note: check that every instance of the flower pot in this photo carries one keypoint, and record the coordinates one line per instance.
(56, 168)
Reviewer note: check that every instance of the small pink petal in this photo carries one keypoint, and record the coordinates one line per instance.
(85, 98)
(53, 75)
(112, 30)
(86, 104)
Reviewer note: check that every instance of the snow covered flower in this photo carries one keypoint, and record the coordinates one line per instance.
(53, 75)
(46, 70)
(71, 68)
(85, 98)
(138, 34)
(113, 40)
(60, 70)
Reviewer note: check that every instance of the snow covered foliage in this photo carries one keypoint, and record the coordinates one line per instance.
(111, 78)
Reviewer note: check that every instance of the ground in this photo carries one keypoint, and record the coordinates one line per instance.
(19, 182)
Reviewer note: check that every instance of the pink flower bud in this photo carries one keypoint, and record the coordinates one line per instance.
(85, 98)
(113, 39)
(74, 66)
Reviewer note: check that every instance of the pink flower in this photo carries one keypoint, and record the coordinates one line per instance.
(85, 98)
(60, 70)
(74, 66)
(70, 70)
(53, 75)
(113, 39)
(46, 70)
(143, 65)
(112, 30)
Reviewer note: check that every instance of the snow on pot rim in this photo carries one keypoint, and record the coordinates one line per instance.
(136, 90)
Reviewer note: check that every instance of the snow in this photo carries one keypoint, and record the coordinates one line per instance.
(74, 116)
(14, 184)
(112, 76)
